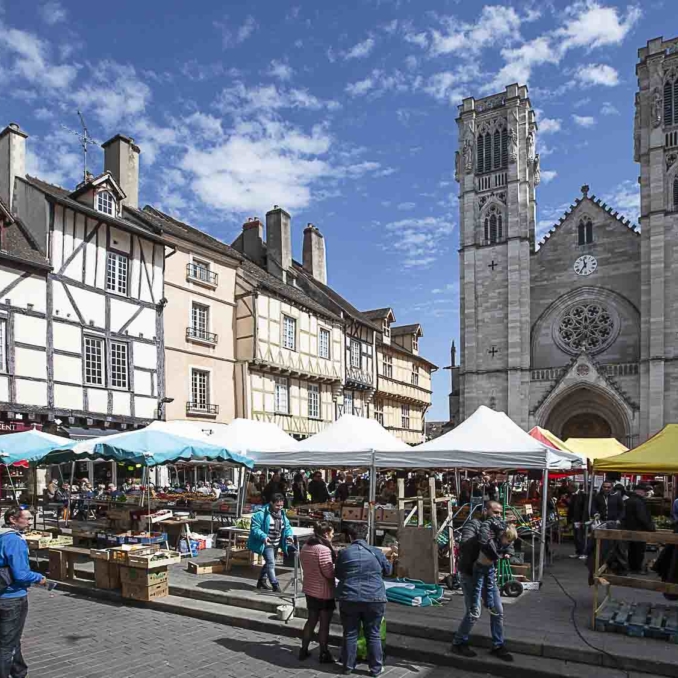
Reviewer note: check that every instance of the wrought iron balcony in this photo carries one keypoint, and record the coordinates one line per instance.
(198, 334)
(193, 407)
(202, 275)
(357, 411)
(359, 377)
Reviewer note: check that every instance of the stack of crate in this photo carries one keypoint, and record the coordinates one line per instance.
(145, 577)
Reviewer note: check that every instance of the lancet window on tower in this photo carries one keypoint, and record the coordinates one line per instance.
(585, 232)
(675, 193)
(493, 226)
(492, 148)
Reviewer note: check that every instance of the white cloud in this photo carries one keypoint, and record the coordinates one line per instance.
(548, 175)
(406, 206)
(242, 99)
(53, 13)
(379, 82)
(280, 70)
(609, 109)
(547, 125)
(31, 60)
(625, 197)
(360, 50)
(520, 61)
(584, 120)
(598, 74)
(234, 36)
(590, 25)
(496, 24)
(419, 240)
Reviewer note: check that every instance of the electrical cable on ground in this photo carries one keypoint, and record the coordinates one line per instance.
(573, 619)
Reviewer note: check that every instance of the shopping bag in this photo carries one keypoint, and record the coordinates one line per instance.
(362, 641)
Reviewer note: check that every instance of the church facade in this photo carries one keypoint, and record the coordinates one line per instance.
(577, 333)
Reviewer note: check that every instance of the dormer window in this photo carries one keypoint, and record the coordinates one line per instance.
(386, 329)
(106, 203)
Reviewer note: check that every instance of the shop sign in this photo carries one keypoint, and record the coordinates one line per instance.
(17, 427)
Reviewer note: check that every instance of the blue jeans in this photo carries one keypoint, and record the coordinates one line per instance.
(370, 615)
(268, 570)
(482, 581)
(13, 612)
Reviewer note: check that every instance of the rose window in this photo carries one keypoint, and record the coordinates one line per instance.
(586, 327)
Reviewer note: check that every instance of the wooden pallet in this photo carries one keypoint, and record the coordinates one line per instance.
(640, 620)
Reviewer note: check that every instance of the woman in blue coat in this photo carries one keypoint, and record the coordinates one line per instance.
(269, 530)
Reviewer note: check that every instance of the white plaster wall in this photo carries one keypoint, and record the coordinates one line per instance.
(67, 368)
(29, 363)
(145, 355)
(4, 388)
(68, 397)
(142, 383)
(30, 330)
(145, 408)
(90, 255)
(91, 306)
(31, 392)
(97, 400)
(30, 290)
(67, 337)
(120, 240)
(61, 303)
(121, 403)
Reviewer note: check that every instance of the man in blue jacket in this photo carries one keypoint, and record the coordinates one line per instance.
(269, 530)
(15, 578)
(362, 599)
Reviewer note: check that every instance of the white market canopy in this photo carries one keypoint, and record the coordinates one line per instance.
(348, 442)
(486, 440)
(242, 436)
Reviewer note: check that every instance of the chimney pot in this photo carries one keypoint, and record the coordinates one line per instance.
(121, 159)
(314, 258)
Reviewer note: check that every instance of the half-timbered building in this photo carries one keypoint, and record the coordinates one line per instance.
(83, 319)
(289, 347)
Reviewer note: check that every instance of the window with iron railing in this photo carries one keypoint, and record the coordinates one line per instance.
(200, 323)
(201, 394)
(200, 271)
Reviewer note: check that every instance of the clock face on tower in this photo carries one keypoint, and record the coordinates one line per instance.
(585, 265)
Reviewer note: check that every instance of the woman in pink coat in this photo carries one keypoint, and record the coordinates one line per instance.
(317, 561)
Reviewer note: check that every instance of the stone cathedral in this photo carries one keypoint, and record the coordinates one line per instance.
(577, 333)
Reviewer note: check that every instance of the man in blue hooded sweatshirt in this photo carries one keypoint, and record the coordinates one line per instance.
(15, 578)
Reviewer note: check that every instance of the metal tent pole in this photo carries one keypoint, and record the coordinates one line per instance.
(544, 507)
(371, 501)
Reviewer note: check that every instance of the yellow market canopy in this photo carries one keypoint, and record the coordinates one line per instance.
(658, 455)
(595, 448)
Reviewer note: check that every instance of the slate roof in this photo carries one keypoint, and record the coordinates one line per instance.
(330, 299)
(401, 349)
(399, 330)
(19, 245)
(62, 196)
(599, 203)
(378, 313)
(180, 229)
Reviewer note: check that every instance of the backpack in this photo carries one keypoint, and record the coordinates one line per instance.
(6, 579)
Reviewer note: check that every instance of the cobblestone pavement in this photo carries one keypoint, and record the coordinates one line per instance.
(71, 637)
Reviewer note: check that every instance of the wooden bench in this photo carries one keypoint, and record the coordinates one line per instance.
(62, 561)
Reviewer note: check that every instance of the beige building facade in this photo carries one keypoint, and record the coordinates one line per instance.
(200, 353)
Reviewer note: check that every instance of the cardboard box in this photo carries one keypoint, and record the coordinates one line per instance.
(387, 516)
(106, 575)
(352, 513)
(139, 592)
(211, 567)
(133, 575)
(154, 561)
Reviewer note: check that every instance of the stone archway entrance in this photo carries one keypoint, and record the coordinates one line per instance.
(587, 412)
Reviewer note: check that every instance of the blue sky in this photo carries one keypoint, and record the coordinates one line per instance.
(344, 113)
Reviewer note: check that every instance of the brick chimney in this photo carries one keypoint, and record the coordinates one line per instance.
(251, 241)
(12, 160)
(314, 259)
(121, 159)
(278, 242)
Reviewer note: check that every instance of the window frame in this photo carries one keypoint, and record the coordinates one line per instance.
(414, 378)
(585, 232)
(348, 395)
(323, 331)
(118, 257)
(387, 366)
(195, 402)
(379, 410)
(285, 335)
(352, 354)
(281, 385)
(200, 332)
(314, 406)
(112, 370)
(4, 363)
(113, 203)
(405, 416)
(101, 341)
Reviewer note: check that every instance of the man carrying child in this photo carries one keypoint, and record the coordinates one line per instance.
(483, 544)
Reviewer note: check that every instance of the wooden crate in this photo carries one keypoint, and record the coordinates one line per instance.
(210, 567)
(146, 593)
(58, 565)
(152, 562)
(106, 575)
(135, 576)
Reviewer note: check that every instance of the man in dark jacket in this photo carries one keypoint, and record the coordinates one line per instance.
(637, 517)
(607, 504)
(577, 515)
(318, 489)
(362, 599)
(273, 487)
(14, 583)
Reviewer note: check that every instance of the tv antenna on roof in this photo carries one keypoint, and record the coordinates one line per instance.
(85, 140)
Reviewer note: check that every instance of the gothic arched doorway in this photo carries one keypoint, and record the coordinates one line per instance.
(586, 425)
(587, 412)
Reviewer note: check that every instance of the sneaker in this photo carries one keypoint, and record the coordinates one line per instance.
(582, 557)
(463, 650)
(572, 556)
(263, 586)
(502, 653)
(377, 673)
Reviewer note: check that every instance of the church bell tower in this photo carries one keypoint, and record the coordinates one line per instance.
(497, 170)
